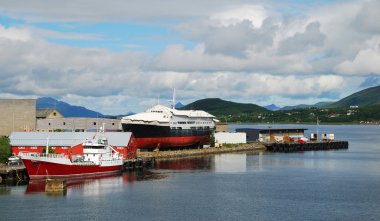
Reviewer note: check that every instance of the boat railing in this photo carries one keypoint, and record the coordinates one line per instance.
(49, 155)
(84, 163)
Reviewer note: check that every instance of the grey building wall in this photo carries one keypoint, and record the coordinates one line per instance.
(77, 124)
(17, 115)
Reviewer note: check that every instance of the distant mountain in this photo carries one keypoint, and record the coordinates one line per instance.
(179, 105)
(272, 107)
(66, 109)
(219, 107)
(302, 106)
(369, 96)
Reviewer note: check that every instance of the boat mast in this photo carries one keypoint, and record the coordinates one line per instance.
(173, 101)
(47, 145)
(317, 127)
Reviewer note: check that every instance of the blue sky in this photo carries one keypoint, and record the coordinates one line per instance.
(119, 56)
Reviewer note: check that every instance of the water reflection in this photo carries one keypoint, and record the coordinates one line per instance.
(224, 163)
(98, 185)
(191, 163)
(230, 163)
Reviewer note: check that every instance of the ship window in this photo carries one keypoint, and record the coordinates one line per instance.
(21, 147)
(33, 147)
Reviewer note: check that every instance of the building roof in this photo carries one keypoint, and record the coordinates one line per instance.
(279, 130)
(267, 130)
(43, 113)
(65, 138)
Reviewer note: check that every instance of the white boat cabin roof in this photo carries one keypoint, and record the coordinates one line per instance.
(162, 114)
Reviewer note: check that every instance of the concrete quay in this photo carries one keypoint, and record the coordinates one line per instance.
(204, 151)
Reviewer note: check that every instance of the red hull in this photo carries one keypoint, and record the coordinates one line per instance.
(153, 142)
(42, 170)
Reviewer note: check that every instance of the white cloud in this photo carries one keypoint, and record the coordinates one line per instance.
(303, 42)
(256, 14)
(368, 17)
(116, 10)
(366, 62)
(248, 53)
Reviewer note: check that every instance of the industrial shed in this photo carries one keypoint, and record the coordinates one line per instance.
(272, 134)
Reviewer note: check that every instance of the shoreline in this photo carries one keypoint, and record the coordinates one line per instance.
(170, 154)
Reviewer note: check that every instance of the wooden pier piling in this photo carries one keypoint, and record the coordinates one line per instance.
(138, 163)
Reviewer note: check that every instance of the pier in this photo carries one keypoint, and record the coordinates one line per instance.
(138, 163)
(308, 146)
(167, 154)
(12, 172)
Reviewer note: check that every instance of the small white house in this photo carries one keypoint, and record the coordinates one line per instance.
(230, 138)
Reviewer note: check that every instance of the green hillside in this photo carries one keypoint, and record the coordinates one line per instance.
(369, 96)
(368, 101)
(219, 107)
(301, 106)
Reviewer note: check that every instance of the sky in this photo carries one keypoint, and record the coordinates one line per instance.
(124, 56)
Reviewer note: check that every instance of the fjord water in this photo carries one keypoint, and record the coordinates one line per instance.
(317, 185)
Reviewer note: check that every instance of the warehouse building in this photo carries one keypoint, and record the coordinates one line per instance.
(78, 124)
(17, 115)
(48, 113)
(273, 134)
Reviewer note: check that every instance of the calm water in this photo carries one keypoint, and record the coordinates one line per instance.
(322, 185)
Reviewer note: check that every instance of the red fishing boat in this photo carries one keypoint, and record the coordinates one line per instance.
(96, 158)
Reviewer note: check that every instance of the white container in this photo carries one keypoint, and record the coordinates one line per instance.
(230, 138)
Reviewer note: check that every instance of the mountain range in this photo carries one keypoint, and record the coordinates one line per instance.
(218, 107)
(272, 107)
(301, 106)
(66, 109)
(369, 96)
